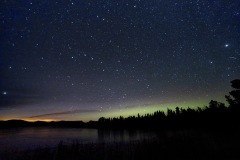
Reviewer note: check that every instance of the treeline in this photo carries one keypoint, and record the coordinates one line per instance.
(215, 115)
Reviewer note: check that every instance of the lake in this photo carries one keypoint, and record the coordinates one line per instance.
(23, 143)
(33, 137)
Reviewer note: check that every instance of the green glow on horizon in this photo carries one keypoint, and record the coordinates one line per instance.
(142, 110)
(124, 111)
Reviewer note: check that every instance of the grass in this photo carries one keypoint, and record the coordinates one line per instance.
(192, 145)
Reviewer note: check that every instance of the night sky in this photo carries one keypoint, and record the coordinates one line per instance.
(83, 59)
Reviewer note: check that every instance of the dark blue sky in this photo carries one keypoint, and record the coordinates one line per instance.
(78, 59)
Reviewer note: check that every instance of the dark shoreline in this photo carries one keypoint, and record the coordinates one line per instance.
(63, 124)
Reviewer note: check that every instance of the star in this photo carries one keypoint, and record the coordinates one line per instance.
(142, 52)
(211, 62)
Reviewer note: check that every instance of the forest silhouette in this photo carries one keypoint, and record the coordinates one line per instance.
(215, 115)
(211, 132)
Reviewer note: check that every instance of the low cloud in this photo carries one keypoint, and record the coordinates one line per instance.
(64, 113)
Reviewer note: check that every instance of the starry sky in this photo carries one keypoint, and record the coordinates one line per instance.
(84, 59)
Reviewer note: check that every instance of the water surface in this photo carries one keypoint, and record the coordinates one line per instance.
(31, 137)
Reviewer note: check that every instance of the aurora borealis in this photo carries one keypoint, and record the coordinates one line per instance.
(81, 60)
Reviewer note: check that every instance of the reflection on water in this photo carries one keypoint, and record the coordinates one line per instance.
(46, 136)
(35, 137)
(124, 135)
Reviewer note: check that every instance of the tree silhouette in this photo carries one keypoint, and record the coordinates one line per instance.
(234, 98)
(215, 115)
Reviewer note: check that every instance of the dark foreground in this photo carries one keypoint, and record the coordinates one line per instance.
(192, 145)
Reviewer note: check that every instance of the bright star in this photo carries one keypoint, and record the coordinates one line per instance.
(226, 45)
(4, 93)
